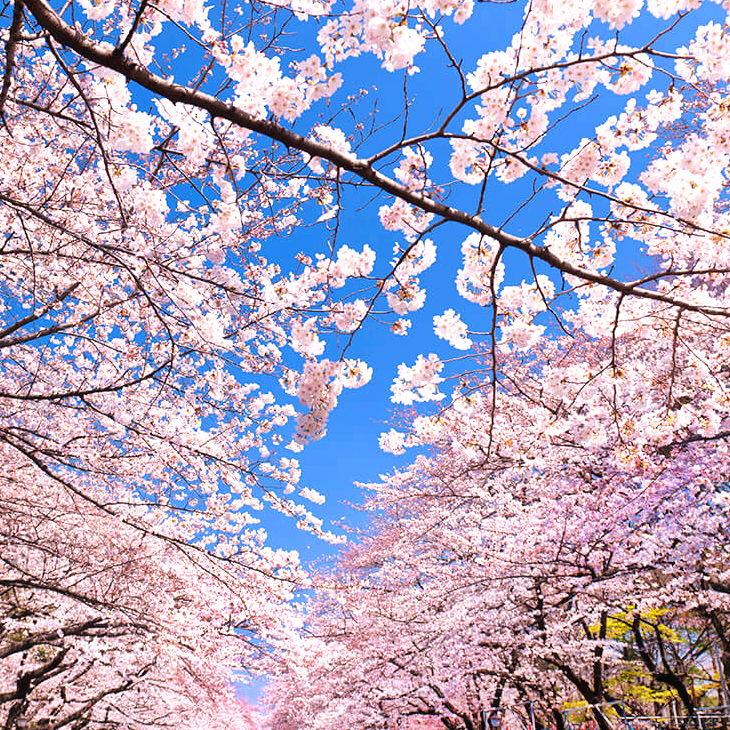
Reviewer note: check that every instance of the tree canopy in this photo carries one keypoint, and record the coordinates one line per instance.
(205, 208)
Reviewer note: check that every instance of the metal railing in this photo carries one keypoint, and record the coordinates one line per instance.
(704, 718)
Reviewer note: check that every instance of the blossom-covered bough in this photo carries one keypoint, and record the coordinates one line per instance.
(161, 348)
(106, 626)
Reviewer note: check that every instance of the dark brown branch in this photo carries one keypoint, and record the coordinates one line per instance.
(10, 47)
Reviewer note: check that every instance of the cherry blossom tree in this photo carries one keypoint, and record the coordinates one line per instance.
(543, 575)
(104, 625)
(161, 350)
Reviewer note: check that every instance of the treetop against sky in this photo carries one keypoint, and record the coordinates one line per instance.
(507, 220)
